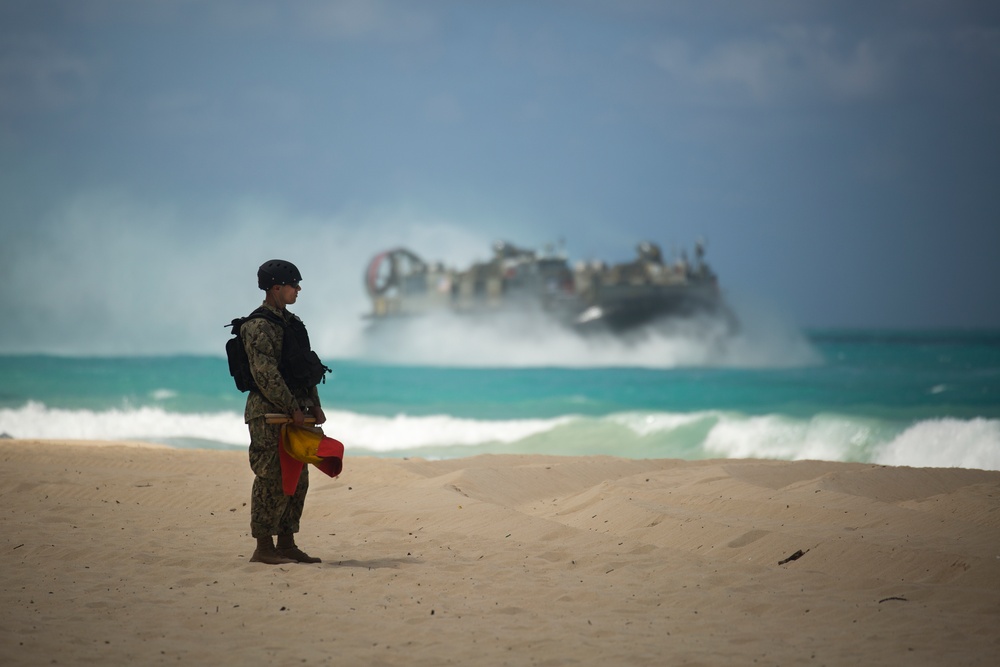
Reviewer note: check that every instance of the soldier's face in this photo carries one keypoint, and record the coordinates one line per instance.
(287, 293)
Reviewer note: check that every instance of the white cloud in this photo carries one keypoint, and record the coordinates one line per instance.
(36, 75)
(791, 63)
(357, 19)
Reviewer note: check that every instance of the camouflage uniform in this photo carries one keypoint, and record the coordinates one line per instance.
(271, 511)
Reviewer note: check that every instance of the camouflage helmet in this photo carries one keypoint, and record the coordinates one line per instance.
(277, 272)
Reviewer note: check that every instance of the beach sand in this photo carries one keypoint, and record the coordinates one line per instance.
(126, 554)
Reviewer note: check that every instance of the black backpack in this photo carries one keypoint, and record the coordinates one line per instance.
(300, 367)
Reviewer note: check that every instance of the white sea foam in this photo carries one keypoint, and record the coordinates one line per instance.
(934, 443)
(35, 420)
(646, 423)
(946, 443)
(533, 339)
(163, 394)
(823, 437)
(374, 433)
(385, 434)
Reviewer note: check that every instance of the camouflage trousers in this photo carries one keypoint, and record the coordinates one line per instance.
(271, 511)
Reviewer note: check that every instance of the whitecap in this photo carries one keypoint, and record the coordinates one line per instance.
(946, 443)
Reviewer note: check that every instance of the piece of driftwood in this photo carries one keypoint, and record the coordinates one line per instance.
(795, 556)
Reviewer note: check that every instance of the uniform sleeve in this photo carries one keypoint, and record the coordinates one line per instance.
(262, 341)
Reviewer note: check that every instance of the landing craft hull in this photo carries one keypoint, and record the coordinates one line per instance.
(591, 298)
(628, 309)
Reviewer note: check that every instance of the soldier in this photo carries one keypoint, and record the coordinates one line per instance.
(280, 387)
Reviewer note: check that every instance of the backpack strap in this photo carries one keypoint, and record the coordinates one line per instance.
(265, 313)
(260, 312)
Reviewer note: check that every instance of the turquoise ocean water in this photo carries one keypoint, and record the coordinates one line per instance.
(911, 398)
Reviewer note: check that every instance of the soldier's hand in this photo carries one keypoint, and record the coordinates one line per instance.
(298, 418)
(317, 413)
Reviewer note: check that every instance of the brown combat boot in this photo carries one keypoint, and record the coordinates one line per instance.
(287, 549)
(267, 554)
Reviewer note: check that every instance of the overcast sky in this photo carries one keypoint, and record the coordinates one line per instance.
(842, 159)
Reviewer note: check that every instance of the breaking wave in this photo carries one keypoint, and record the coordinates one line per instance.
(973, 443)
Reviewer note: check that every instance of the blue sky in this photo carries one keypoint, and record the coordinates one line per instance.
(841, 159)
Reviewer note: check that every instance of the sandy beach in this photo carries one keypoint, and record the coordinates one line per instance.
(118, 553)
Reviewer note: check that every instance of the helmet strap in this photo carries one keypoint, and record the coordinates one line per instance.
(273, 298)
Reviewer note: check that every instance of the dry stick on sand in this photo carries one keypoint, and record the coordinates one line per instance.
(795, 556)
